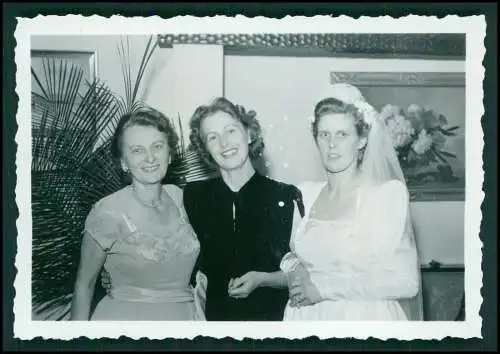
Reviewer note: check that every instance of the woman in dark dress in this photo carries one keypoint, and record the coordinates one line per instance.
(243, 219)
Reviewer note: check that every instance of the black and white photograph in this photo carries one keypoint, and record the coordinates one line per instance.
(249, 177)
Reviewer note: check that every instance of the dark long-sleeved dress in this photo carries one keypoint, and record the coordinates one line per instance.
(242, 231)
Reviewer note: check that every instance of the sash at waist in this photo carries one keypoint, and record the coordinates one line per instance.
(132, 293)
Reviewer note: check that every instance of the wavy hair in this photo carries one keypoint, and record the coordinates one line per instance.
(147, 117)
(334, 106)
(247, 118)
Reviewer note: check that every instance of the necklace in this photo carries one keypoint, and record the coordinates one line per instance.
(154, 204)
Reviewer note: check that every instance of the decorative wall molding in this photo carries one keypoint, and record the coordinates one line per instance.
(446, 45)
(450, 193)
(439, 79)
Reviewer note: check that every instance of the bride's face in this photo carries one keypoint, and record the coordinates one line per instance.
(338, 142)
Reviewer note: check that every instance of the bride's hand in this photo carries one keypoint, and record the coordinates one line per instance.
(304, 295)
(302, 290)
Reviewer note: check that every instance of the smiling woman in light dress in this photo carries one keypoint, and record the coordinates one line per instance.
(353, 256)
(139, 234)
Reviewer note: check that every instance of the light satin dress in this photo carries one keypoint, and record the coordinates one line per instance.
(150, 257)
(360, 266)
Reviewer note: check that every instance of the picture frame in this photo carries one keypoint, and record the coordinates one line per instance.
(367, 45)
(439, 93)
(51, 66)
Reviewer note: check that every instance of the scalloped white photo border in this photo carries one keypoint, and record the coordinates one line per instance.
(474, 27)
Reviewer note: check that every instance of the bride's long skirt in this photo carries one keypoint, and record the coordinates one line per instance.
(345, 310)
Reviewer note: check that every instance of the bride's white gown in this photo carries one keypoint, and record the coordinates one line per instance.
(360, 266)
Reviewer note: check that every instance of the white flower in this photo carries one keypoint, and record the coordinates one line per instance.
(389, 110)
(423, 142)
(369, 113)
(400, 130)
(400, 120)
(415, 109)
(310, 122)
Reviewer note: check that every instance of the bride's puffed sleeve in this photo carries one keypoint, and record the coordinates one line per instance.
(390, 270)
(290, 259)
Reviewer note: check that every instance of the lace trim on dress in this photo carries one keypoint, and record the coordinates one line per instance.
(179, 241)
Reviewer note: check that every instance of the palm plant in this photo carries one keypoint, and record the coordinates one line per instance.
(66, 126)
(72, 167)
(187, 166)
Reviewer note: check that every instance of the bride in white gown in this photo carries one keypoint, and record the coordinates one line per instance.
(353, 255)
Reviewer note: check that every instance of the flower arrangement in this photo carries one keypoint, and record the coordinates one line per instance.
(419, 137)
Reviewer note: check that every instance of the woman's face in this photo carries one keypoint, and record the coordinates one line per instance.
(226, 140)
(338, 142)
(145, 153)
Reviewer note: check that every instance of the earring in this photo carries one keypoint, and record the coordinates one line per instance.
(361, 154)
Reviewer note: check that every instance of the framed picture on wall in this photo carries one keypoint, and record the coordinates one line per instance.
(52, 75)
(60, 82)
(425, 115)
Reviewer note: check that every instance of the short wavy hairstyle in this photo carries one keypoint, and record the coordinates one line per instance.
(334, 106)
(247, 118)
(146, 117)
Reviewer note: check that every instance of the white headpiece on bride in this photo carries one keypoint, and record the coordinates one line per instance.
(352, 95)
(380, 161)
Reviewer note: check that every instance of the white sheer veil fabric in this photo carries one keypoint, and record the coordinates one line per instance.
(380, 164)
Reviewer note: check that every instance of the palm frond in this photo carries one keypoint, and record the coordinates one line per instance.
(148, 52)
(130, 101)
(100, 175)
(182, 144)
(65, 131)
